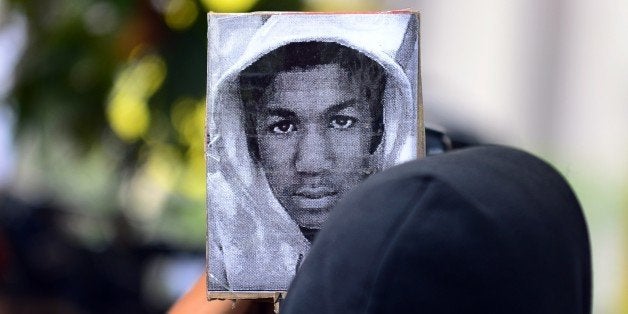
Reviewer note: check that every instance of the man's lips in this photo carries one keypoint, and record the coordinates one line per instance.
(315, 197)
(315, 192)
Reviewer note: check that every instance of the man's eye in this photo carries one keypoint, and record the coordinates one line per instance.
(342, 122)
(282, 127)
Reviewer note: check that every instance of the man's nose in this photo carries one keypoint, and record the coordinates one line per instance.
(313, 154)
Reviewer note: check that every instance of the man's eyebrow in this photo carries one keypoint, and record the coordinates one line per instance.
(340, 106)
(279, 112)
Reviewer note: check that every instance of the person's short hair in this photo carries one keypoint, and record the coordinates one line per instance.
(256, 79)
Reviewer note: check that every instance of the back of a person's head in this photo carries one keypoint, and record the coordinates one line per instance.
(481, 230)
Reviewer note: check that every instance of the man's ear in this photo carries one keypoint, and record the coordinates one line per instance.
(372, 164)
(250, 131)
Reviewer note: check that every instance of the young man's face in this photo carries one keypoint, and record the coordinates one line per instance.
(314, 134)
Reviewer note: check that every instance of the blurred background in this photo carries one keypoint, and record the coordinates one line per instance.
(102, 115)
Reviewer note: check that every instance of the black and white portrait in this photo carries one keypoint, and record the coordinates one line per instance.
(300, 109)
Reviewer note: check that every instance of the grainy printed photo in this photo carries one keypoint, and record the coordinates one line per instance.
(300, 109)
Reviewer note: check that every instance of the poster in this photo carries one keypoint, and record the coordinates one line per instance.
(301, 107)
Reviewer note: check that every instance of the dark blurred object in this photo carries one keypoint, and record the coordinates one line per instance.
(42, 269)
(438, 140)
(43, 266)
(486, 230)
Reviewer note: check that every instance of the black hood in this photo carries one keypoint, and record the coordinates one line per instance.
(481, 230)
